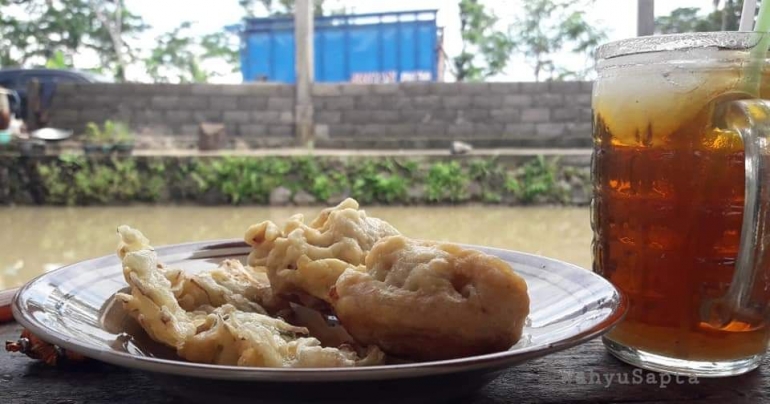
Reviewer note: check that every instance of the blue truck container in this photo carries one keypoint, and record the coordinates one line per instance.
(362, 48)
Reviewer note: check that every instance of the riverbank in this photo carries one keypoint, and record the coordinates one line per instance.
(290, 176)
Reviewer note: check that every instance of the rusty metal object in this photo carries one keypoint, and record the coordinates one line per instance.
(6, 297)
(36, 348)
(31, 345)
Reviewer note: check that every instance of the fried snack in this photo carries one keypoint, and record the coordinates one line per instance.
(426, 300)
(291, 254)
(245, 288)
(225, 336)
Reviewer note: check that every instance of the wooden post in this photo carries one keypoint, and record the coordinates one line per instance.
(32, 120)
(303, 43)
(645, 19)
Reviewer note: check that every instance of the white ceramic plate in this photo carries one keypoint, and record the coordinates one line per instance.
(74, 307)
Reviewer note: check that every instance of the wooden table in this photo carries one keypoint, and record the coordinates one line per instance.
(562, 377)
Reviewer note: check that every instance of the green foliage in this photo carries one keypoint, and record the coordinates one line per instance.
(446, 182)
(512, 185)
(110, 132)
(491, 175)
(491, 197)
(76, 179)
(255, 8)
(243, 179)
(180, 57)
(378, 181)
(690, 19)
(486, 49)
(548, 27)
(537, 178)
(223, 46)
(34, 32)
(154, 181)
(410, 167)
(481, 169)
(58, 61)
(325, 186)
(174, 59)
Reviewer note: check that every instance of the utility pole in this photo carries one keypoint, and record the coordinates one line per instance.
(645, 18)
(303, 44)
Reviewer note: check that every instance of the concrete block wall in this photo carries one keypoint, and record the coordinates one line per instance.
(383, 116)
(429, 115)
(257, 115)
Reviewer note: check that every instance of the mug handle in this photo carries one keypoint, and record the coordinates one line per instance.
(747, 298)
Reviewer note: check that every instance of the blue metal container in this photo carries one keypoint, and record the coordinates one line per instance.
(364, 48)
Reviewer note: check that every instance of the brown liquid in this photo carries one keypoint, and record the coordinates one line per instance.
(667, 215)
(5, 118)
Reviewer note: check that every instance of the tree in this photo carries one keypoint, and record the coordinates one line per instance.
(690, 19)
(223, 46)
(548, 27)
(110, 15)
(33, 31)
(486, 49)
(175, 58)
(254, 8)
(684, 19)
(180, 57)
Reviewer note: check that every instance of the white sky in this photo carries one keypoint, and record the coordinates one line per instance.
(618, 16)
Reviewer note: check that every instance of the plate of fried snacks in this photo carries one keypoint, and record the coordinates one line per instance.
(342, 306)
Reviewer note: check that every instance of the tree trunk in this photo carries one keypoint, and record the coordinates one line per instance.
(114, 28)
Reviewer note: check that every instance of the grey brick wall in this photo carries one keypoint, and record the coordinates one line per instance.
(254, 114)
(543, 115)
(403, 115)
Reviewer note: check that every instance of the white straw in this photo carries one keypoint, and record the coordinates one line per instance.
(747, 15)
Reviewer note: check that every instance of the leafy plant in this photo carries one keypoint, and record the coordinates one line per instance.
(491, 197)
(94, 134)
(545, 28)
(538, 178)
(379, 181)
(446, 181)
(512, 185)
(56, 178)
(154, 181)
(109, 133)
(76, 179)
(243, 179)
(326, 185)
(390, 188)
(485, 48)
(121, 134)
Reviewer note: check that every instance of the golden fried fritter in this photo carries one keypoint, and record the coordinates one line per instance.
(426, 300)
(225, 335)
(292, 254)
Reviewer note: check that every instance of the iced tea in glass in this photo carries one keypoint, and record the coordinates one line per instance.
(680, 199)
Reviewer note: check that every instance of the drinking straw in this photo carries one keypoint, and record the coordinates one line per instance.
(759, 52)
(763, 19)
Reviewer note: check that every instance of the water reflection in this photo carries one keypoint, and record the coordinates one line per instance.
(33, 240)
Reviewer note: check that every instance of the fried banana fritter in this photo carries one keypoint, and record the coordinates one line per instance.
(427, 300)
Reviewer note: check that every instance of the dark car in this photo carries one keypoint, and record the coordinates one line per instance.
(17, 79)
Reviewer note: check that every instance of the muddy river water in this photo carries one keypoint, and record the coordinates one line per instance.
(38, 239)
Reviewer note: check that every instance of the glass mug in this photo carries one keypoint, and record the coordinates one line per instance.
(5, 109)
(681, 178)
